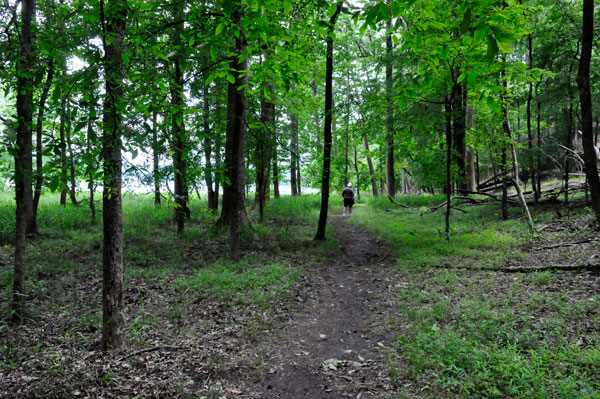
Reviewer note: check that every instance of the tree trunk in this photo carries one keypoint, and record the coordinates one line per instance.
(263, 152)
(371, 168)
(389, 120)
(470, 170)
(508, 133)
(177, 123)
(218, 145)
(539, 146)
(294, 152)
(317, 124)
(459, 132)
(63, 154)
(583, 83)
(233, 209)
(91, 166)
(155, 155)
(357, 174)
(71, 162)
(448, 188)
(276, 193)
(327, 131)
(208, 172)
(39, 174)
(112, 288)
(23, 161)
(532, 173)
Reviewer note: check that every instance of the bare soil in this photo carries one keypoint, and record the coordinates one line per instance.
(335, 347)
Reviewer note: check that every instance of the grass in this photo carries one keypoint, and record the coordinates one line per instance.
(485, 334)
(179, 290)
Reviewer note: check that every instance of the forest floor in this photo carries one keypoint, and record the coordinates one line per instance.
(386, 308)
(334, 347)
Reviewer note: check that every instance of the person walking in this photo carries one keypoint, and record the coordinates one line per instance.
(348, 195)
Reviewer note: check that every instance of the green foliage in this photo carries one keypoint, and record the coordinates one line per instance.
(417, 235)
(249, 282)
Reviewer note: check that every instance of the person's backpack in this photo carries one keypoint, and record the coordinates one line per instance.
(348, 193)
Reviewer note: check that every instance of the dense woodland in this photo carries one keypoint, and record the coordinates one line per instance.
(226, 102)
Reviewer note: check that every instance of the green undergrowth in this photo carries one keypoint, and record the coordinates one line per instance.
(418, 236)
(486, 334)
(251, 281)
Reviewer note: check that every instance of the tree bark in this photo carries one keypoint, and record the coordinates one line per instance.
(532, 173)
(327, 131)
(459, 131)
(155, 155)
(389, 120)
(276, 193)
(113, 25)
(23, 159)
(177, 123)
(233, 209)
(294, 152)
(448, 109)
(39, 174)
(371, 168)
(208, 169)
(583, 83)
(71, 162)
(91, 140)
(63, 153)
(263, 152)
(508, 132)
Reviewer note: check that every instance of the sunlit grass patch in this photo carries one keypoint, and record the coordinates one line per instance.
(247, 282)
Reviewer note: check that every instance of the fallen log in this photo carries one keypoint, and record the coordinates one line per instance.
(517, 269)
(567, 244)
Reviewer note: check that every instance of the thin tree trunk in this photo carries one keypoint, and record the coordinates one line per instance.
(327, 131)
(23, 161)
(155, 155)
(276, 193)
(208, 172)
(112, 289)
(63, 154)
(371, 168)
(459, 132)
(317, 124)
(508, 133)
(91, 166)
(263, 153)
(448, 109)
(177, 125)
(357, 174)
(529, 128)
(233, 209)
(218, 145)
(294, 152)
(71, 162)
(39, 174)
(583, 83)
(389, 121)
(539, 146)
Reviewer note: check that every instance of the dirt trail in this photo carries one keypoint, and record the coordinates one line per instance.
(334, 347)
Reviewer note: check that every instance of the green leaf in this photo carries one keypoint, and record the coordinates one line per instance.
(230, 78)
(492, 46)
(445, 51)
(287, 7)
(192, 41)
(219, 28)
(332, 10)
(461, 77)
(491, 102)
(504, 47)
(213, 52)
(464, 25)
(210, 78)
(125, 59)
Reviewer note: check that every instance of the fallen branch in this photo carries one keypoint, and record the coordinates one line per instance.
(589, 267)
(392, 199)
(473, 201)
(154, 348)
(570, 244)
